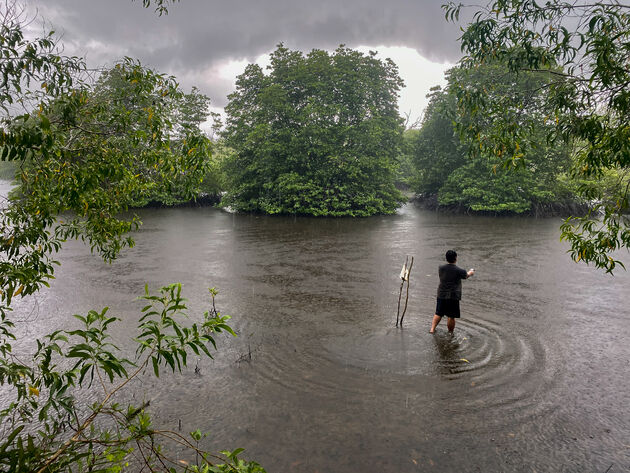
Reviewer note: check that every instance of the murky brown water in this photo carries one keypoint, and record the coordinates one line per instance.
(333, 386)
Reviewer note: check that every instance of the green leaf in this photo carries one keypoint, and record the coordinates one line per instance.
(156, 368)
(11, 438)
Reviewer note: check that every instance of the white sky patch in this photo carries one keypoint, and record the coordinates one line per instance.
(227, 72)
(419, 75)
(233, 68)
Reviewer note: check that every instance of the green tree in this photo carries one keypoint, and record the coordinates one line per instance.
(319, 135)
(83, 154)
(406, 170)
(587, 104)
(476, 182)
(30, 69)
(437, 151)
(478, 186)
(130, 108)
(135, 117)
(216, 180)
(93, 152)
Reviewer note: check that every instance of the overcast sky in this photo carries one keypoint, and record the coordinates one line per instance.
(207, 43)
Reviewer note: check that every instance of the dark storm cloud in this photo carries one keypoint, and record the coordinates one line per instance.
(197, 35)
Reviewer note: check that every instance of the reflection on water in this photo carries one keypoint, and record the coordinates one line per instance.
(535, 377)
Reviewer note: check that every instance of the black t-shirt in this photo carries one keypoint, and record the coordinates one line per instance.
(451, 281)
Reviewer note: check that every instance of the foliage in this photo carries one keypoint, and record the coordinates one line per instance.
(140, 119)
(84, 153)
(161, 6)
(475, 181)
(29, 68)
(587, 104)
(318, 135)
(405, 170)
(606, 185)
(479, 187)
(25, 244)
(46, 426)
(160, 111)
(437, 152)
(216, 181)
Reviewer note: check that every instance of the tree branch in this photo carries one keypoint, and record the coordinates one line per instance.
(91, 418)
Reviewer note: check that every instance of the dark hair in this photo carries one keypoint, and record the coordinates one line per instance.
(451, 256)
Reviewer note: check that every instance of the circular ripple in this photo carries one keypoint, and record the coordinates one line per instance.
(478, 349)
(504, 368)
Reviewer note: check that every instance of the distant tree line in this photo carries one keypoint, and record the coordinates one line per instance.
(317, 134)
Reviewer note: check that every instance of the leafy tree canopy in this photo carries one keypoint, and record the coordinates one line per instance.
(30, 69)
(476, 182)
(318, 135)
(436, 153)
(405, 171)
(587, 104)
(142, 111)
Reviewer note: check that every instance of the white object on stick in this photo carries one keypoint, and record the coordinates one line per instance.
(404, 272)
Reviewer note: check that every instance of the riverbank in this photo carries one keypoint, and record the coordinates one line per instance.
(204, 200)
(428, 202)
(565, 208)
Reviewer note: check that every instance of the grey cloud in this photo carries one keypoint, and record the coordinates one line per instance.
(198, 34)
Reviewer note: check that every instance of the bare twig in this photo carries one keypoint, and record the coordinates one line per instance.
(183, 441)
(91, 418)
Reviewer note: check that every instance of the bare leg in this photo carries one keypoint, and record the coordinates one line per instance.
(450, 323)
(436, 321)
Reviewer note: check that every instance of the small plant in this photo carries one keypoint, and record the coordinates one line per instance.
(46, 427)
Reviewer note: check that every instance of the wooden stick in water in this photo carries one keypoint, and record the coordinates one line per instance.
(402, 283)
(407, 296)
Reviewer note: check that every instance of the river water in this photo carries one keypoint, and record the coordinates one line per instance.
(319, 379)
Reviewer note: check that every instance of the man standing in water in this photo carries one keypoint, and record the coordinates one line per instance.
(449, 291)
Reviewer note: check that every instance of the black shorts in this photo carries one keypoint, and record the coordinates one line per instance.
(447, 307)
